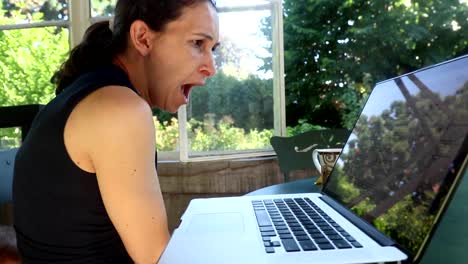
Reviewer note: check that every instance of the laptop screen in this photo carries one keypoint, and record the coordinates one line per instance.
(403, 154)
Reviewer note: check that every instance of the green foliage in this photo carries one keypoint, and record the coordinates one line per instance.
(10, 137)
(29, 58)
(302, 127)
(103, 7)
(364, 207)
(400, 222)
(167, 134)
(336, 50)
(208, 137)
(348, 189)
(19, 11)
(248, 102)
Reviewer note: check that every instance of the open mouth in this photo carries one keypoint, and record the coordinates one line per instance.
(186, 91)
(186, 88)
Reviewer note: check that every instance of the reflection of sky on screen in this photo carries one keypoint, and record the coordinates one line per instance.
(383, 95)
(444, 80)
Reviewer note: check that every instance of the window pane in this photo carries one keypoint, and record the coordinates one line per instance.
(31, 11)
(102, 7)
(234, 111)
(29, 59)
(167, 131)
(10, 138)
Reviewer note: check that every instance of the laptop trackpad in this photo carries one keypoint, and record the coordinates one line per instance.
(216, 223)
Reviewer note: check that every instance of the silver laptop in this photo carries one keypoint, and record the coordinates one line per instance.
(382, 202)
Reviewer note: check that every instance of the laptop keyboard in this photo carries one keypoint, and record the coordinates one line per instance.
(299, 225)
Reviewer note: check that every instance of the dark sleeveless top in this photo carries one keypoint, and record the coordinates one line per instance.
(59, 215)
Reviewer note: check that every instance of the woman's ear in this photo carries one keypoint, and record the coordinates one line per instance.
(141, 37)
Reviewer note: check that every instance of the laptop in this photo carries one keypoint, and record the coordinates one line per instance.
(381, 203)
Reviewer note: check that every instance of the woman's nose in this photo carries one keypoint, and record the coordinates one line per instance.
(208, 69)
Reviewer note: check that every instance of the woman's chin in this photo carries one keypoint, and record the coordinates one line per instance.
(170, 108)
(173, 109)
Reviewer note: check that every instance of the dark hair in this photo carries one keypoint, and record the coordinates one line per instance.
(100, 44)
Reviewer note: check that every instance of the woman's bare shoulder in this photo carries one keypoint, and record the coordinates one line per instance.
(119, 100)
(108, 115)
(119, 112)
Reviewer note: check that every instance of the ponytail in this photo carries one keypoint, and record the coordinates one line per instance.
(95, 50)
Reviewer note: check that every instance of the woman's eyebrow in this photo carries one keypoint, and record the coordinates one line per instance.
(205, 35)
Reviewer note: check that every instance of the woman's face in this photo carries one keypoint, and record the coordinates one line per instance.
(182, 56)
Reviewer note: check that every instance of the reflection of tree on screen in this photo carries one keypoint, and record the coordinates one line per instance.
(391, 150)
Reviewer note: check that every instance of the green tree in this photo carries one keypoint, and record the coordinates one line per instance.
(248, 102)
(26, 68)
(336, 50)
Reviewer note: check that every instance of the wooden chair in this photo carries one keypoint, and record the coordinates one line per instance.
(295, 153)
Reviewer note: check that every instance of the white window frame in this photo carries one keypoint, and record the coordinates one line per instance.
(80, 19)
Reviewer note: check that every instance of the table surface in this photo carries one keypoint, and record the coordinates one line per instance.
(449, 243)
(299, 186)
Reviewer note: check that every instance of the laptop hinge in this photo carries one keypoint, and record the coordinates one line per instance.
(361, 224)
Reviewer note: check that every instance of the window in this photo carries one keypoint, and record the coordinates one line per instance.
(235, 114)
(33, 43)
(10, 138)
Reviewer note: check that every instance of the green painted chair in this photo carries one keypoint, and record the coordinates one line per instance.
(295, 152)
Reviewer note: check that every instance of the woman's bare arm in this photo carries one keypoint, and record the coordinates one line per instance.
(122, 152)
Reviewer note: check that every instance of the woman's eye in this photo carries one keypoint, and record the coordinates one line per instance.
(198, 43)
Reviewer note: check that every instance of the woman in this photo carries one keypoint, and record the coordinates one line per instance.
(85, 187)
